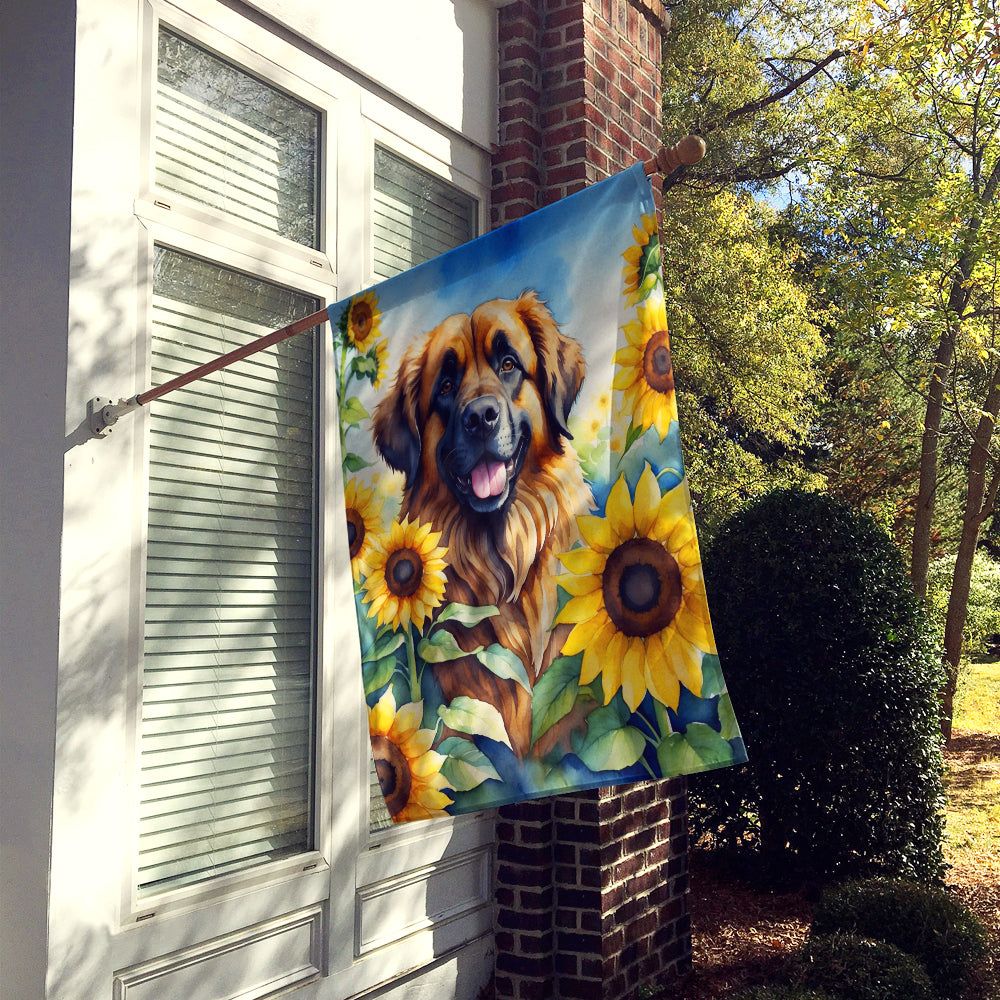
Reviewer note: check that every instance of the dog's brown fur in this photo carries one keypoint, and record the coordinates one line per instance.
(506, 557)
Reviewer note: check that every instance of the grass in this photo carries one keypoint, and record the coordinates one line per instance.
(973, 784)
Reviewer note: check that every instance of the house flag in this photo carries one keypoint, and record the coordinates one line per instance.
(527, 578)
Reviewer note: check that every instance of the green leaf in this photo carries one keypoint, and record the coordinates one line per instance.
(365, 366)
(477, 718)
(701, 748)
(354, 462)
(609, 744)
(712, 681)
(440, 647)
(730, 727)
(386, 642)
(505, 665)
(555, 694)
(613, 751)
(352, 412)
(467, 614)
(466, 766)
(376, 673)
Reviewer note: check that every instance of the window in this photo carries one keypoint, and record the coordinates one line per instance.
(229, 648)
(416, 216)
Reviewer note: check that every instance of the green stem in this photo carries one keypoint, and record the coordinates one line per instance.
(411, 655)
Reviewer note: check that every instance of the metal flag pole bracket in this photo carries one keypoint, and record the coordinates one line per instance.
(103, 413)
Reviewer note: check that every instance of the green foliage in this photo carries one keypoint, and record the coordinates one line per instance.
(926, 922)
(833, 675)
(857, 968)
(783, 992)
(983, 612)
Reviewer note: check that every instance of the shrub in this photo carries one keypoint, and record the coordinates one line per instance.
(857, 968)
(924, 921)
(833, 673)
(783, 993)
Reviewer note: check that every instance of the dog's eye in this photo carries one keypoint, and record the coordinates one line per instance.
(508, 364)
(445, 387)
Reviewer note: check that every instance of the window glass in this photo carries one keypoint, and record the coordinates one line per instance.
(228, 140)
(228, 657)
(416, 215)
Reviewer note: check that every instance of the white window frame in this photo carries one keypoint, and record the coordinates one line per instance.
(351, 872)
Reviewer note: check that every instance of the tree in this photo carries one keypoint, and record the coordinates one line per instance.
(913, 185)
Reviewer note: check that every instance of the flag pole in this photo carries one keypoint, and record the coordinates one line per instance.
(103, 413)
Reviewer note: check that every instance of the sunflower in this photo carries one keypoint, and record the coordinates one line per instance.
(363, 319)
(408, 770)
(642, 261)
(405, 579)
(364, 508)
(638, 606)
(381, 361)
(646, 373)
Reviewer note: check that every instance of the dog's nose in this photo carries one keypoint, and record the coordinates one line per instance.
(480, 416)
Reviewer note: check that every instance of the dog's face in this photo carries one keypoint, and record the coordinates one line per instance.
(476, 399)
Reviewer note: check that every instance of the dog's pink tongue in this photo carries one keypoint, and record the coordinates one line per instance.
(489, 479)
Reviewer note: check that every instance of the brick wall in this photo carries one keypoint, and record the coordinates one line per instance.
(591, 889)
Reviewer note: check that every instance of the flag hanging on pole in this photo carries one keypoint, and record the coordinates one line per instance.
(527, 578)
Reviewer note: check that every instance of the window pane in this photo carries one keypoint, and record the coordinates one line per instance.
(417, 215)
(228, 140)
(228, 679)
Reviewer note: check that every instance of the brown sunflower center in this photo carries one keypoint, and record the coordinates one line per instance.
(642, 587)
(393, 770)
(355, 531)
(361, 321)
(657, 368)
(403, 572)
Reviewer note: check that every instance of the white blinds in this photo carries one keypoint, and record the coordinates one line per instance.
(416, 215)
(227, 682)
(225, 139)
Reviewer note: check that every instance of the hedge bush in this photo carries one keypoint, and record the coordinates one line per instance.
(926, 922)
(857, 968)
(833, 673)
(782, 993)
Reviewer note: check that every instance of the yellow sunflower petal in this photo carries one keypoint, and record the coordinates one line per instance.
(661, 680)
(634, 674)
(579, 609)
(611, 670)
(407, 721)
(380, 716)
(685, 661)
(647, 502)
(619, 510)
(594, 654)
(597, 533)
(578, 585)
(582, 636)
(583, 560)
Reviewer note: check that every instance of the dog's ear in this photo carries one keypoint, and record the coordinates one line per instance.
(396, 421)
(561, 364)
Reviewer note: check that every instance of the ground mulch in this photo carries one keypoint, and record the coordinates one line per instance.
(742, 934)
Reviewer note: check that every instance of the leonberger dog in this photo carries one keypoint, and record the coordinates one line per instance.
(476, 420)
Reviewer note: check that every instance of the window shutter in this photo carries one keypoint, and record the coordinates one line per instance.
(227, 680)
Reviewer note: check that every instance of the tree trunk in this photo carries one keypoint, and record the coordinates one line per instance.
(979, 501)
(920, 553)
